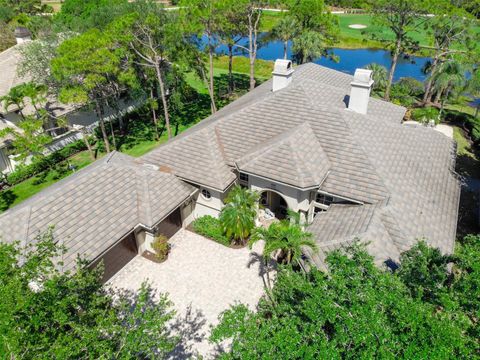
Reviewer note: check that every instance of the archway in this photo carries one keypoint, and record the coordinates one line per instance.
(275, 202)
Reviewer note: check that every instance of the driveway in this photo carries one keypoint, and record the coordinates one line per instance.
(202, 279)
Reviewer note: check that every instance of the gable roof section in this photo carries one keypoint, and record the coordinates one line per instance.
(94, 208)
(295, 157)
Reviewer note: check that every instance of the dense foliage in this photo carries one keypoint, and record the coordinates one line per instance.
(40, 164)
(51, 315)
(211, 228)
(360, 311)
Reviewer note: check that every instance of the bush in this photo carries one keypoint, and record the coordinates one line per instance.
(44, 163)
(425, 115)
(406, 91)
(161, 247)
(210, 227)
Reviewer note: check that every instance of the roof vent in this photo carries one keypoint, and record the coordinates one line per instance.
(282, 74)
(151, 167)
(22, 34)
(360, 91)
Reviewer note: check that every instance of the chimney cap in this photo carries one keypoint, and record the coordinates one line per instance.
(283, 67)
(363, 77)
(22, 32)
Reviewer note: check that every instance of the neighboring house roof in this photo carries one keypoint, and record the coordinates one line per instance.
(406, 174)
(94, 208)
(9, 60)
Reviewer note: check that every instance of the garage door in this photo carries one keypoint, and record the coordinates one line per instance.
(171, 224)
(118, 256)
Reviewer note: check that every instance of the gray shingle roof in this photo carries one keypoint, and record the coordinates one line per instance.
(94, 208)
(283, 158)
(9, 60)
(405, 174)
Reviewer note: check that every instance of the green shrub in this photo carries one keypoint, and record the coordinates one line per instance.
(161, 247)
(39, 165)
(425, 115)
(210, 227)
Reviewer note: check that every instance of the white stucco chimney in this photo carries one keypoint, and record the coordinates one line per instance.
(282, 74)
(22, 35)
(360, 91)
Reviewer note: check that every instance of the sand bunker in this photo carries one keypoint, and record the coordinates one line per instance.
(357, 26)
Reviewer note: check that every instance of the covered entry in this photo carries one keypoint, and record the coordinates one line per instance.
(274, 202)
(117, 257)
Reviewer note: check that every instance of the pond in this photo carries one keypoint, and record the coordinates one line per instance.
(349, 59)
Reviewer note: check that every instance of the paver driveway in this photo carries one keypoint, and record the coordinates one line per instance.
(202, 278)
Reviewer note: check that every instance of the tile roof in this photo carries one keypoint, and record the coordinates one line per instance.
(9, 60)
(283, 159)
(97, 206)
(407, 174)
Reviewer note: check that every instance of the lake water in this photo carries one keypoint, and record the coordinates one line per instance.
(349, 59)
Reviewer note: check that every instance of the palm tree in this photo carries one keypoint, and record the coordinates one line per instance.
(285, 237)
(285, 30)
(14, 97)
(238, 216)
(380, 76)
(449, 78)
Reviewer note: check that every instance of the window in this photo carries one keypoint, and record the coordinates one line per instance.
(324, 199)
(206, 194)
(243, 177)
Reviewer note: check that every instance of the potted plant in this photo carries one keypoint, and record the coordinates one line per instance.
(161, 247)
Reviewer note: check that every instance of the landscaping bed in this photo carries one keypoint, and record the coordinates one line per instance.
(210, 228)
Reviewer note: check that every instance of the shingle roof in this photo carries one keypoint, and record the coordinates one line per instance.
(406, 174)
(94, 208)
(283, 159)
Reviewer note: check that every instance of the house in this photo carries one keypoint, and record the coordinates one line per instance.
(77, 116)
(311, 140)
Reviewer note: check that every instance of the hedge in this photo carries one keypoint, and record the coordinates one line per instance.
(210, 227)
(24, 172)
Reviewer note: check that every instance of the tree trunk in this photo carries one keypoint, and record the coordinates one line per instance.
(164, 99)
(427, 97)
(285, 49)
(438, 96)
(396, 53)
(89, 147)
(210, 75)
(154, 114)
(230, 69)
(99, 110)
(113, 134)
(251, 54)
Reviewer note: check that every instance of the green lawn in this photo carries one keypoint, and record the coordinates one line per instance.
(30, 187)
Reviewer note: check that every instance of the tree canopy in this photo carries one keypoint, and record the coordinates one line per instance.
(358, 310)
(52, 315)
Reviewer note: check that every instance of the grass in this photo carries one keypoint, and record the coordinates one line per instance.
(22, 191)
(263, 68)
